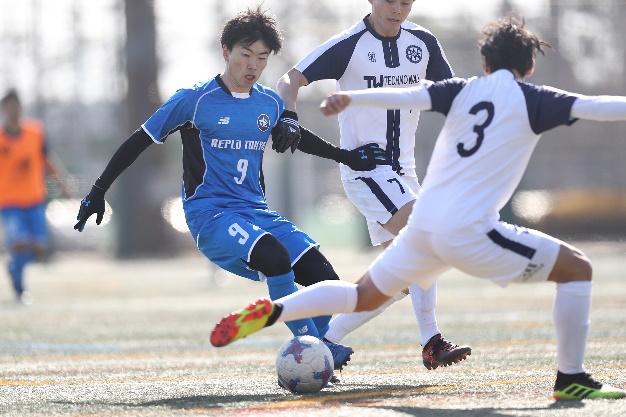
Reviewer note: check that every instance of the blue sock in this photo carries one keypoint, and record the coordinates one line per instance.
(16, 269)
(321, 323)
(281, 286)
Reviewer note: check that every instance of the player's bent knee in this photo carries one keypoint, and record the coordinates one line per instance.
(270, 257)
(585, 269)
(571, 265)
(39, 251)
(313, 267)
(370, 297)
(580, 266)
(20, 247)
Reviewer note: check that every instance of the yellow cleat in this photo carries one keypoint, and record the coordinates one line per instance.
(583, 386)
(241, 323)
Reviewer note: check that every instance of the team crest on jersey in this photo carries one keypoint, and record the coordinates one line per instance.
(414, 53)
(263, 122)
(371, 56)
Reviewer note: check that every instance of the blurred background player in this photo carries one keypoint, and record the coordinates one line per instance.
(493, 124)
(24, 164)
(225, 123)
(381, 50)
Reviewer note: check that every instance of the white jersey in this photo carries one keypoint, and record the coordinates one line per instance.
(359, 58)
(492, 126)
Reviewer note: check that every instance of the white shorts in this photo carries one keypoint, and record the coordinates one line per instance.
(503, 255)
(379, 196)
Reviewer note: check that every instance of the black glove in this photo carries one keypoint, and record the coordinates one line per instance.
(363, 158)
(286, 133)
(92, 204)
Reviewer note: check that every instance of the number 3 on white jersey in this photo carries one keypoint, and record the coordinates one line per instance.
(478, 129)
(242, 166)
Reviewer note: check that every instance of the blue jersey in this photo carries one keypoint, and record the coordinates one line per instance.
(223, 138)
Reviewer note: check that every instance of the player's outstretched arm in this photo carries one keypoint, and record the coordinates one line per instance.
(335, 103)
(417, 98)
(599, 108)
(125, 155)
(363, 158)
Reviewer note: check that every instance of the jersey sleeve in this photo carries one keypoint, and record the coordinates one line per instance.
(438, 66)
(442, 94)
(548, 107)
(281, 108)
(393, 98)
(330, 60)
(280, 104)
(599, 108)
(171, 116)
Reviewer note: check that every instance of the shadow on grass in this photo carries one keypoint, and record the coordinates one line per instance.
(364, 397)
(482, 412)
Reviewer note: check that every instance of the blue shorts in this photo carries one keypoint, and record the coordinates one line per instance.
(25, 224)
(228, 238)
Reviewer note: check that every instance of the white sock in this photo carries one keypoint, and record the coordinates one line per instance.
(343, 324)
(424, 303)
(571, 320)
(321, 299)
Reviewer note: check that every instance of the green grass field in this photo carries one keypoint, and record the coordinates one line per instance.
(112, 338)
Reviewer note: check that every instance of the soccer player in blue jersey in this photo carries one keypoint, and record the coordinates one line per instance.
(381, 50)
(225, 123)
(493, 124)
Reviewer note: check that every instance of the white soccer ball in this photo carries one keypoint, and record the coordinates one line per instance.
(304, 364)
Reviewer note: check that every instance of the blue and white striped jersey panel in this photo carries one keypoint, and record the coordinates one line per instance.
(359, 58)
(492, 127)
(224, 138)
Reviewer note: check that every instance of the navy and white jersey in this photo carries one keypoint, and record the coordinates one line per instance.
(224, 136)
(492, 126)
(359, 58)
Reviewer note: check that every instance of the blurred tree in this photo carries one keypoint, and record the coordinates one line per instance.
(142, 231)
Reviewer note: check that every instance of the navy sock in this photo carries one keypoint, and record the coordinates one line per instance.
(281, 286)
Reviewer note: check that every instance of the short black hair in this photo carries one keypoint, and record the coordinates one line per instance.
(507, 44)
(251, 26)
(11, 95)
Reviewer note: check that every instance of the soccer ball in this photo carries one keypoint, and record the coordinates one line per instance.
(304, 364)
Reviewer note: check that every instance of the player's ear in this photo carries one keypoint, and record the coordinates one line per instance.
(225, 53)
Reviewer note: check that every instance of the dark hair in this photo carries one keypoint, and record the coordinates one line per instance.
(10, 95)
(251, 26)
(507, 44)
